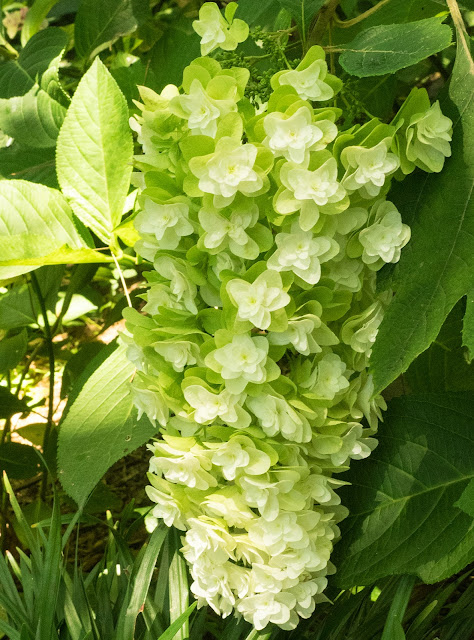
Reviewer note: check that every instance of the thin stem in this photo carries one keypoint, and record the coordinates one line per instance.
(122, 280)
(26, 368)
(345, 24)
(50, 348)
(325, 16)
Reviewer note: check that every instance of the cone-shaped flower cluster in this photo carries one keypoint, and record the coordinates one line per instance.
(264, 232)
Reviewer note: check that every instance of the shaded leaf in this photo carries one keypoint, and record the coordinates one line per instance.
(26, 163)
(401, 501)
(18, 460)
(440, 252)
(10, 404)
(12, 351)
(100, 427)
(387, 48)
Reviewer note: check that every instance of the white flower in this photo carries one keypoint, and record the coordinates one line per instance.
(207, 537)
(302, 253)
(180, 284)
(294, 136)
(180, 353)
(231, 457)
(215, 30)
(229, 504)
(384, 240)
(228, 170)
(338, 449)
(276, 535)
(306, 334)
(260, 493)
(309, 83)
(265, 608)
(160, 295)
(185, 469)
(428, 138)
(162, 226)
(167, 508)
(275, 415)
(209, 405)
(367, 169)
(240, 361)
(257, 300)
(310, 192)
(150, 403)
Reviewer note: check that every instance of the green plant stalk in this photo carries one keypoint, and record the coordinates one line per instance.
(325, 16)
(345, 24)
(49, 346)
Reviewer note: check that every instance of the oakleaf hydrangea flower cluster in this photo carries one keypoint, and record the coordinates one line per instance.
(264, 231)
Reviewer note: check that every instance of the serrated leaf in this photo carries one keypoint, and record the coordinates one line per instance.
(440, 209)
(100, 427)
(401, 501)
(33, 119)
(466, 501)
(94, 152)
(18, 76)
(99, 24)
(388, 48)
(34, 220)
(63, 255)
(34, 18)
(18, 460)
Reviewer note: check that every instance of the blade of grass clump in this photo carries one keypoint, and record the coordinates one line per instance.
(22, 523)
(178, 586)
(8, 631)
(393, 629)
(140, 584)
(50, 578)
(9, 592)
(259, 635)
(178, 624)
(198, 626)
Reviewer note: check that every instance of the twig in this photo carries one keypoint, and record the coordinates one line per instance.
(345, 24)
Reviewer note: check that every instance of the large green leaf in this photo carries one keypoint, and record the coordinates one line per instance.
(401, 499)
(100, 427)
(26, 163)
(34, 221)
(94, 152)
(18, 76)
(33, 119)
(12, 351)
(99, 24)
(388, 48)
(441, 251)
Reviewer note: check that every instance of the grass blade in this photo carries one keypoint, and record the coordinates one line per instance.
(178, 624)
(178, 587)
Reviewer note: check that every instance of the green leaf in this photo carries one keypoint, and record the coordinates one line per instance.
(33, 119)
(468, 324)
(100, 427)
(94, 152)
(170, 48)
(178, 624)
(466, 501)
(26, 163)
(443, 261)
(18, 460)
(63, 255)
(261, 13)
(99, 24)
(444, 366)
(178, 588)
(12, 351)
(10, 404)
(388, 48)
(34, 221)
(18, 76)
(401, 500)
(34, 18)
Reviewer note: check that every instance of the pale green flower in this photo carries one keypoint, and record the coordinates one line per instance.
(329, 377)
(180, 285)
(367, 169)
(311, 192)
(229, 170)
(295, 136)
(189, 467)
(275, 415)
(149, 402)
(180, 353)
(217, 31)
(160, 295)
(305, 333)
(361, 330)
(309, 83)
(237, 454)
(209, 406)
(240, 361)
(384, 240)
(302, 253)
(228, 504)
(257, 300)
(428, 139)
(161, 226)
(221, 232)
(264, 608)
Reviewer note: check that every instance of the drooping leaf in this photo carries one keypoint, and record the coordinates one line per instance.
(94, 152)
(99, 24)
(100, 427)
(18, 76)
(18, 460)
(10, 404)
(43, 244)
(387, 48)
(33, 119)
(401, 499)
(12, 351)
(441, 250)
(26, 163)
(34, 221)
